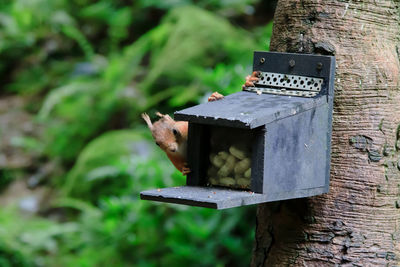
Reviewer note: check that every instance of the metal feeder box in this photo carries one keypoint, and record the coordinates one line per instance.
(266, 143)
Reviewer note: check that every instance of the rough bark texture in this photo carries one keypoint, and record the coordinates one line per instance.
(358, 222)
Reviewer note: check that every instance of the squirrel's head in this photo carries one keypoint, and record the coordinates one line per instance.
(165, 132)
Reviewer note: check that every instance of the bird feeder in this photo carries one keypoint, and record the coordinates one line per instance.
(266, 143)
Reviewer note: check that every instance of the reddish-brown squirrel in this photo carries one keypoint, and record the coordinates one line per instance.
(171, 136)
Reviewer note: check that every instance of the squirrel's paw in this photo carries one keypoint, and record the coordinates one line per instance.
(215, 96)
(185, 170)
(250, 79)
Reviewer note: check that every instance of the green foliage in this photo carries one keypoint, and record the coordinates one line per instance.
(75, 117)
(112, 165)
(73, 33)
(110, 173)
(89, 68)
(132, 232)
(6, 178)
(12, 258)
(27, 241)
(190, 42)
(227, 7)
(183, 52)
(158, 234)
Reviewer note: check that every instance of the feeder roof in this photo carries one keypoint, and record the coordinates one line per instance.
(248, 109)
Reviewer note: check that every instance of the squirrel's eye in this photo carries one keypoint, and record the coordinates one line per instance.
(157, 144)
(175, 132)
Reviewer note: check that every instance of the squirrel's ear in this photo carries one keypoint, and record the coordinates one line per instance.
(167, 117)
(164, 117)
(147, 120)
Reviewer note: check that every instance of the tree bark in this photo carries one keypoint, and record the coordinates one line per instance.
(358, 222)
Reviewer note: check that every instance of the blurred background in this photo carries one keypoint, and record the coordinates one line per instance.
(74, 153)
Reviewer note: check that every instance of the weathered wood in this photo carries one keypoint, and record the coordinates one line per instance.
(358, 222)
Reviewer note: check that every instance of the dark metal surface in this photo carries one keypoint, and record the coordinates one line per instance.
(296, 64)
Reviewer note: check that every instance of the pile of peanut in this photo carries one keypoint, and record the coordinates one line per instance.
(230, 168)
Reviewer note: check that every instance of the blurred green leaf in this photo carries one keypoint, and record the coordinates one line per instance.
(93, 67)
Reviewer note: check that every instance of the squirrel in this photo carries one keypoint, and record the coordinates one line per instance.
(251, 79)
(171, 136)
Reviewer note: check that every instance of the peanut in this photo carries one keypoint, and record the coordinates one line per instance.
(223, 155)
(231, 161)
(216, 160)
(227, 181)
(243, 182)
(247, 173)
(225, 170)
(237, 152)
(242, 165)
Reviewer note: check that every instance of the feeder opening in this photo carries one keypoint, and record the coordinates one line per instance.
(230, 157)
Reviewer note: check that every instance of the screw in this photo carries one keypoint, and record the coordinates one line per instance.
(292, 63)
(262, 60)
(319, 66)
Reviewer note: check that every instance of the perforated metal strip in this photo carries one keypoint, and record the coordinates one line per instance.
(281, 91)
(283, 84)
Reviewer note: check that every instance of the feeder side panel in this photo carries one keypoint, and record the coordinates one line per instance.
(331, 90)
(296, 149)
(258, 159)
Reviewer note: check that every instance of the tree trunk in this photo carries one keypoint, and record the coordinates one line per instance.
(358, 222)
